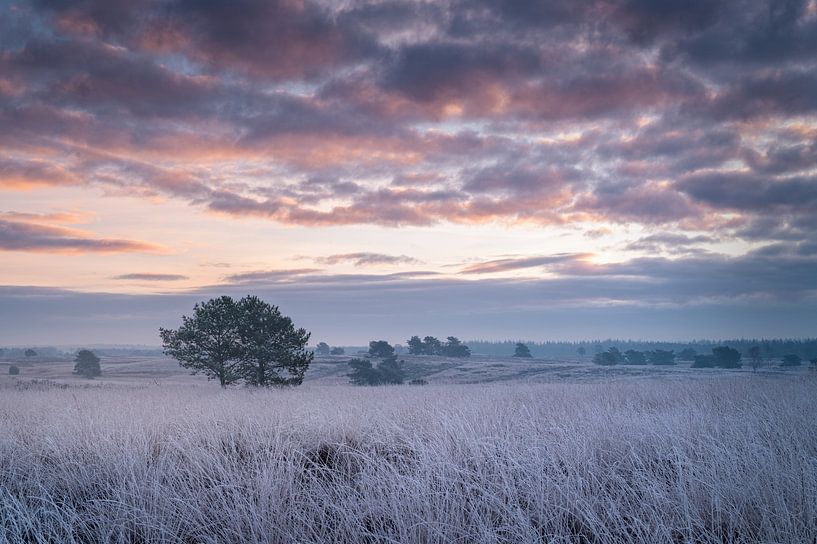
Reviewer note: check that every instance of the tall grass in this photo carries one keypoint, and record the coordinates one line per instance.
(722, 460)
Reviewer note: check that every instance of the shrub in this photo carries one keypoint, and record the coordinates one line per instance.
(389, 371)
(337, 351)
(418, 381)
(704, 361)
(14, 370)
(87, 364)
(791, 359)
(522, 350)
(726, 357)
(608, 358)
(661, 357)
(633, 357)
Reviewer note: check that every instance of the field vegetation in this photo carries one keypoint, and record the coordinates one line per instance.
(720, 458)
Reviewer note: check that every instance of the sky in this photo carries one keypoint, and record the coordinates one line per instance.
(377, 169)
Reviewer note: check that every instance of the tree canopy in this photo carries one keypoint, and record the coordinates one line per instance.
(247, 340)
(87, 364)
(521, 350)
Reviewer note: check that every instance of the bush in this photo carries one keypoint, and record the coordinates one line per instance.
(791, 359)
(14, 370)
(608, 358)
(418, 381)
(522, 350)
(389, 371)
(337, 351)
(704, 361)
(661, 357)
(87, 364)
(726, 357)
(633, 357)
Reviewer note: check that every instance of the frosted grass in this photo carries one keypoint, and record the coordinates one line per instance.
(721, 460)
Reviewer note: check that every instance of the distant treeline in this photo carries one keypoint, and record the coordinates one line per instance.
(769, 347)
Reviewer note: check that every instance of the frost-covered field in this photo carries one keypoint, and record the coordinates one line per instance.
(721, 459)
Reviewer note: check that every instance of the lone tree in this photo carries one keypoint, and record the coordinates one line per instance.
(271, 350)
(582, 352)
(337, 351)
(14, 370)
(87, 364)
(322, 348)
(230, 341)
(208, 342)
(522, 350)
(30, 353)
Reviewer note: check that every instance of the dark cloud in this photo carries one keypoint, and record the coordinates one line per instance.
(25, 236)
(765, 293)
(412, 113)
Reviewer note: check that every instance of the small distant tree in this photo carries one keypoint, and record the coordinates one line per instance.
(704, 361)
(30, 353)
(322, 349)
(726, 357)
(392, 371)
(87, 364)
(14, 370)
(661, 357)
(522, 350)
(813, 364)
(337, 351)
(389, 371)
(755, 357)
(380, 348)
(432, 346)
(415, 346)
(633, 357)
(687, 354)
(582, 352)
(791, 359)
(454, 348)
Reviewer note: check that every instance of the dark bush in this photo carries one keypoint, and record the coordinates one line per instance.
(726, 357)
(704, 361)
(14, 370)
(791, 359)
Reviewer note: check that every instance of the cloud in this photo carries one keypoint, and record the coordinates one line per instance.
(270, 275)
(765, 293)
(148, 276)
(508, 264)
(23, 236)
(672, 114)
(367, 259)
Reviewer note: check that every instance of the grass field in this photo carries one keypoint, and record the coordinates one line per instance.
(667, 458)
